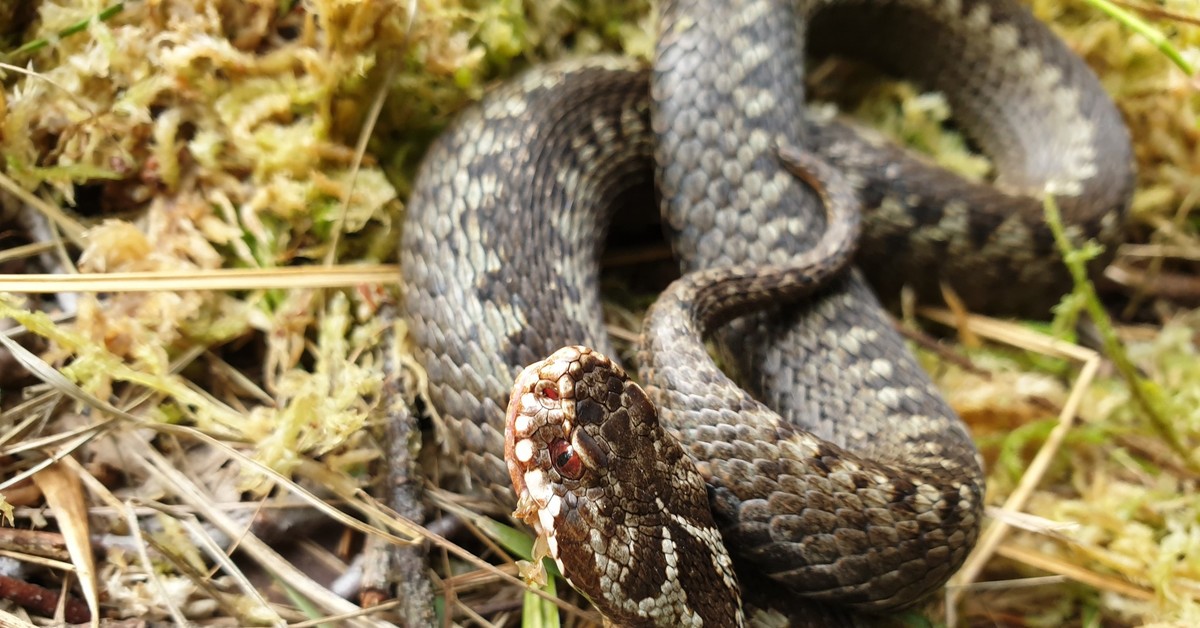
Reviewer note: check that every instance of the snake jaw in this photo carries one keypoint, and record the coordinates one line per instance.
(540, 413)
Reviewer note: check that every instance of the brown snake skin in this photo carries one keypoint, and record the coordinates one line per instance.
(862, 487)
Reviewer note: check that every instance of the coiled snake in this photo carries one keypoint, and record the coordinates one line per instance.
(859, 487)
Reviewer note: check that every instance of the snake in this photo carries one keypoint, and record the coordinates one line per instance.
(834, 471)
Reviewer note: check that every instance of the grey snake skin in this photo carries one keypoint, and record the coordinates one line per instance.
(614, 498)
(860, 487)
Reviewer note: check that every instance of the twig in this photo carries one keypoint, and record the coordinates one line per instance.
(42, 601)
(1175, 286)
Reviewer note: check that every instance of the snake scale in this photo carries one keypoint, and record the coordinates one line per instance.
(859, 486)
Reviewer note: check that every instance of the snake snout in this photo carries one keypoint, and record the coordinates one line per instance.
(538, 428)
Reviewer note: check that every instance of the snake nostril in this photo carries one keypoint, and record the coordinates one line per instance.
(547, 390)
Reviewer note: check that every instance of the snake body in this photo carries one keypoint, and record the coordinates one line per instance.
(860, 486)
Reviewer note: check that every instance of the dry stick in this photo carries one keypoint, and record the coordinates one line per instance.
(41, 601)
(943, 352)
(1174, 286)
(34, 543)
(406, 566)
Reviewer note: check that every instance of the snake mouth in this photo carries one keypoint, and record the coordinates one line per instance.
(517, 430)
(537, 424)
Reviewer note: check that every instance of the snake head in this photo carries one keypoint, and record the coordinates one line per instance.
(545, 453)
(613, 497)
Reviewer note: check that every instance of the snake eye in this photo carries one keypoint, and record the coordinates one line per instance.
(547, 390)
(566, 462)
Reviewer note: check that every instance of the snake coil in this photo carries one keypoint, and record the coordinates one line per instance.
(879, 501)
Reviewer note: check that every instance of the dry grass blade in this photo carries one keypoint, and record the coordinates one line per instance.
(445, 501)
(1159, 12)
(8, 620)
(81, 103)
(1018, 336)
(297, 277)
(334, 619)
(24, 416)
(60, 454)
(1157, 251)
(56, 379)
(25, 250)
(222, 560)
(1017, 583)
(64, 493)
(144, 557)
(1011, 334)
(994, 534)
(1182, 287)
(38, 560)
(71, 227)
(68, 439)
(189, 493)
(1056, 565)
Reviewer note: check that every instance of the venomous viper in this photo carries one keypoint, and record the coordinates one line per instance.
(859, 487)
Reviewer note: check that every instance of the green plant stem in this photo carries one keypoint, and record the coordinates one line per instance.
(1146, 394)
(1139, 26)
(42, 42)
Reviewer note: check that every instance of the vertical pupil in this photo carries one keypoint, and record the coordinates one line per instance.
(565, 460)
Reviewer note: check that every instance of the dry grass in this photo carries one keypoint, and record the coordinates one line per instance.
(224, 174)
